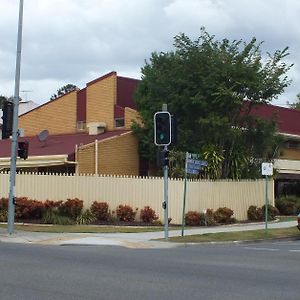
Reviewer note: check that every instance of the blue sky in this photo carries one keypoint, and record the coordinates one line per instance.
(75, 41)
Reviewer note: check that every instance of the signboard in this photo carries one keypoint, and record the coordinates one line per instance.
(194, 164)
(267, 169)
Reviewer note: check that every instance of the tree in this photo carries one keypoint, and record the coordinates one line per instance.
(64, 90)
(2, 100)
(205, 84)
(295, 105)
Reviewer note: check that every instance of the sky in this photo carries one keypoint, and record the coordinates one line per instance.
(75, 41)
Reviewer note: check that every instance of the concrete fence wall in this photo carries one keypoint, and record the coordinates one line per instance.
(139, 192)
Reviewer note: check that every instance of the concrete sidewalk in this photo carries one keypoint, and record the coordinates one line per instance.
(129, 240)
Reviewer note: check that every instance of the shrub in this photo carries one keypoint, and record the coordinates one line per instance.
(3, 215)
(3, 209)
(255, 213)
(50, 204)
(28, 209)
(272, 212)
(125, 213)
(224, 215)
(288, 205)
(192, 218)
(209, 219)
(71, 208)
(148, 214)
(3, 203)
(100, 210)
(85, 218)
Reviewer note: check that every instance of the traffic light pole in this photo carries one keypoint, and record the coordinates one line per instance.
(14, 143)
(165, 205)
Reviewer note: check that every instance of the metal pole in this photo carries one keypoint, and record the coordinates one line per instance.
(166, 217)
(14, 143)
(184, 195)
(266, 206)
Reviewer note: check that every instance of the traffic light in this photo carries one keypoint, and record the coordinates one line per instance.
(162, 128)
(23, 149)
(8, 111)
(162, 158)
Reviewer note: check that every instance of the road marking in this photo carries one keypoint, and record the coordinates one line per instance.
(298, 250)
(261, 249)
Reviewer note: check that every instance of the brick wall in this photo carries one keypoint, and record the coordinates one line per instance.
(86, 159)
(116, 156)
(119, 155)
(101, 98)
(130, 116)
(57, 116)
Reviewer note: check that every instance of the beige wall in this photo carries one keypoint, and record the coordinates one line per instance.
(57, 116)
(139, 192)
(116, 156)
(101, 98)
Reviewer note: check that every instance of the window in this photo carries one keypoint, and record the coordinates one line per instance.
(119, 122)
(81, 125)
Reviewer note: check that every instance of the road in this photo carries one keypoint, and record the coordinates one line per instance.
(268, 270)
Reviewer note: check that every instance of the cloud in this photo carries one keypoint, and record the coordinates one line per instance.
(75, 41)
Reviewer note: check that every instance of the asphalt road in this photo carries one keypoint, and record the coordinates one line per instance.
(269, 270)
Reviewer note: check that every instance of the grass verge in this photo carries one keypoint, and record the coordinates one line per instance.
(86, 228)
(250, 235)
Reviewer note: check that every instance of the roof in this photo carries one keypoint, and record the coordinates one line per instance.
(287, 119)
(57, 144)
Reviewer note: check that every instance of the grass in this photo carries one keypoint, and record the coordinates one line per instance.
(287, 218)
(87, 228)
(239, 236)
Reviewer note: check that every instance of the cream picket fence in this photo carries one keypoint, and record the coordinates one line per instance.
(142, 191)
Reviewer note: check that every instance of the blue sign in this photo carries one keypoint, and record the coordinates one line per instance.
(194, 164)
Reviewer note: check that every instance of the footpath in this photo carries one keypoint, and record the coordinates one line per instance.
(129, 240)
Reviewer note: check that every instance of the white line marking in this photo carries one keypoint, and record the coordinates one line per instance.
(298, 250)
(261, 249)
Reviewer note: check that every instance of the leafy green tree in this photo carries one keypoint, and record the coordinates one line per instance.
(2, 100)
(64, 90)
(205, 84)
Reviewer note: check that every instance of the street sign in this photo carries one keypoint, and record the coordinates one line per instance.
(267, 169)
(194, 164)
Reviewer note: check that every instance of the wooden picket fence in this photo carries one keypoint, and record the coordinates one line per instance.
(139, 192)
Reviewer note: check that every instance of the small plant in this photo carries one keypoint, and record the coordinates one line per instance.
(71, 208)
(52, 216)
(255, 213)
(100, 210)
(224, 215)
(125, 213)
(192, 218)
(148, 214)
(85, 218)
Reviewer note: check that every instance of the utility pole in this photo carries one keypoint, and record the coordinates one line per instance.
(14, 143)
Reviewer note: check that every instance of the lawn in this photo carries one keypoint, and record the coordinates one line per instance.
(239, 236)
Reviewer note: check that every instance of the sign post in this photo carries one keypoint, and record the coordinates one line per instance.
(266, 170)
(193, 165)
